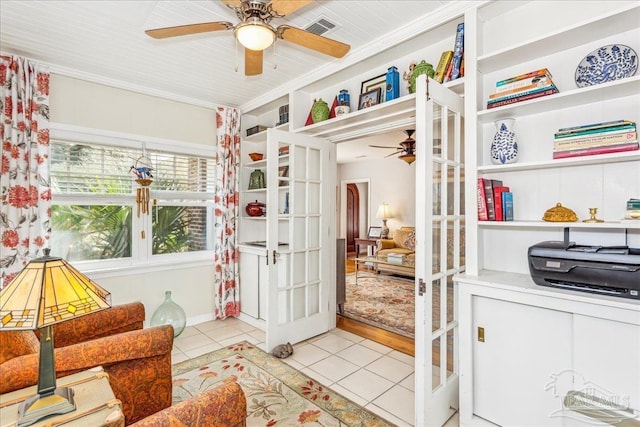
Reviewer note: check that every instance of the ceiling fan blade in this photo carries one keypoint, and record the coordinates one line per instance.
(394, 154)
(385, 146)
(313, 41)
(252, 62)
(232, 3)
(183, 30)
(285, 7)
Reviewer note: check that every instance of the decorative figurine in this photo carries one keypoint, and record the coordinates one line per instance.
(283, 351)
(422, 68)
(593, 212)
(560, 214)
(393, 84)
(407, 75)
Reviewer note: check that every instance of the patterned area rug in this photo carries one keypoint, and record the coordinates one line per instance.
(277, 394)
(387, 302)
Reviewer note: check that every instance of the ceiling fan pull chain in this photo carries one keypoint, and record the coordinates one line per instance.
(275, 64)
(237, 67)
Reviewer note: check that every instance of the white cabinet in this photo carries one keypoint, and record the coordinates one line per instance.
(541, 351)
(516, 349)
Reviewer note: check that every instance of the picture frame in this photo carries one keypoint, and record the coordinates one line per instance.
(283, 171)
(377, 81)
(374, 232)
(369, 99)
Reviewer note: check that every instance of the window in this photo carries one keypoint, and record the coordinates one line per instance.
(96, 218)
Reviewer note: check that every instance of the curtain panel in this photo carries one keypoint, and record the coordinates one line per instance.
(227, 292)
(25, 211)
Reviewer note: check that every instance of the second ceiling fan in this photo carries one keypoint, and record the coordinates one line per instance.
(406, 149)
(255, 32)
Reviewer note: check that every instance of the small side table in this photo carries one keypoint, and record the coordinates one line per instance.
(95, 403)
(370, 243)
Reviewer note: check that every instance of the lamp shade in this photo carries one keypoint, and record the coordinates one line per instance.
(47, 291)
(255, 34)
(384, 212)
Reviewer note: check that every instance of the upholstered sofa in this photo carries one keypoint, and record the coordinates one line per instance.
(225, 405)
(402, 242)
(137, 360)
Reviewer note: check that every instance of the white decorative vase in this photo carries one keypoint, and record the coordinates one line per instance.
(504, 148)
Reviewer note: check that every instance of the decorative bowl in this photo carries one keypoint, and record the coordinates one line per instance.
(255, 208)
(607, 63)
(256, 156)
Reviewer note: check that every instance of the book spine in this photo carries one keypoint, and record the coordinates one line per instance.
(595, 125)
(630, 146)
(518, 90)
(523, 98)
(482, 201)
(517, 95)
(441, 69)
(497, 199)
(597, 131)
(447, 74)
(539, 80)
(488, 191)
(507, 205)
(540, 72)
(458, 51)
(596, 140)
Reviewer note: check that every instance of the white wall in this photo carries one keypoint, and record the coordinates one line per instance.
(391, 181)
(81, 103)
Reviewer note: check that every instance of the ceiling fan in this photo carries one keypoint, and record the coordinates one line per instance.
(255, 32)
(407, 148)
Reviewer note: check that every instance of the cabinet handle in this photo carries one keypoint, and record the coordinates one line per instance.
(275, 257)
(480, 334)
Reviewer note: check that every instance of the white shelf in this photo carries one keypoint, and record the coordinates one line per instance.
(617, 21)
(257, 190)
(396, 114)
(256, 165)
(262, 136)
(552, 164)
(559, 225)
(572, 98)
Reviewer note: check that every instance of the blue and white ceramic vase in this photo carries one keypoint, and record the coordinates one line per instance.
(504, 148)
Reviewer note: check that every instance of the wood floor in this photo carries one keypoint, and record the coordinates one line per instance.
(395, 341)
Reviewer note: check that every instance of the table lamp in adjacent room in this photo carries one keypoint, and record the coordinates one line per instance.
(48, 291)
(384, 213)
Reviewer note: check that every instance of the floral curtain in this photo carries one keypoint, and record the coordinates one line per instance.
(227, 293)
(25, 209)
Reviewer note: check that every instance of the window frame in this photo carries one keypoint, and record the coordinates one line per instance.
(141, 261)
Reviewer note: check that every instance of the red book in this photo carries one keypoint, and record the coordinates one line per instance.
(497, 200)
(482, 201)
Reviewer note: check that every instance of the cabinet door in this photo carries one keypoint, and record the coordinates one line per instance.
(606, 360)
(249, 280)
(525, 348)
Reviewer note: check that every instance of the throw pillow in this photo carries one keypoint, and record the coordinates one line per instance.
(410, 241)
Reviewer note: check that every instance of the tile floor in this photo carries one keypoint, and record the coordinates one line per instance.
(375, 376)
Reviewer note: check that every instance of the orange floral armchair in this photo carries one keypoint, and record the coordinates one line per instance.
(137, 360)
(222, 406)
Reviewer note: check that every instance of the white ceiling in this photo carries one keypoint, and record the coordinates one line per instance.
(104, 41)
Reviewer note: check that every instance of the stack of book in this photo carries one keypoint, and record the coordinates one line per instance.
(522, 88)
(495, 200)
(596, 138)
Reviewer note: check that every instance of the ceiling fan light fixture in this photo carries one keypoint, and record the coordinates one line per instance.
(409, 158)
(255, 34)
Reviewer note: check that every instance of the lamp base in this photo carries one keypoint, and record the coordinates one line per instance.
(384, 233)
(38, 407)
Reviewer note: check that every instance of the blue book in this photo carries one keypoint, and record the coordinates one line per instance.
(458, 50)
(507, 205)
(595, 126)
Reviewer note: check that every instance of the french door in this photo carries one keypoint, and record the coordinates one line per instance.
(439, 248)
(301, 238)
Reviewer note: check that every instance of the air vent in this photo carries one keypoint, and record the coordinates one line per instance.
(321, 26)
